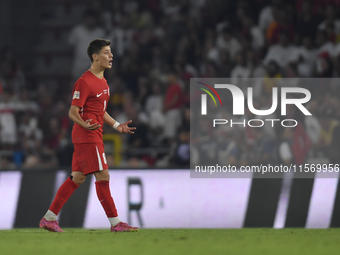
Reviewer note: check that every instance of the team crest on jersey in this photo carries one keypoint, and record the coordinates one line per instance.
(76, 95)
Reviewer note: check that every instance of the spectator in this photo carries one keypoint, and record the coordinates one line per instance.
(273, 71)
(267, 14)
(211, 51)
(280, 52)
(79, 39)
(8, 126)
(304, 57)
(121, 36)
(171, 107)
(25, 104)
(254, 60)
(325, 47)
(32, 162)
(241, 70)
(153, 107)
(282, 24)
(31, 135)
(324, 67)
(226, 40)
(181, 156)
(254, 31)
(332, 22)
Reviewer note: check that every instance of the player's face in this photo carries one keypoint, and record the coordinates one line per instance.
(105, 57)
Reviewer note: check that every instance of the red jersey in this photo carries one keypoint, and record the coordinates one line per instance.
(91, 94)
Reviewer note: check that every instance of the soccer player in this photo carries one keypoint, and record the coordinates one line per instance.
(88, 111)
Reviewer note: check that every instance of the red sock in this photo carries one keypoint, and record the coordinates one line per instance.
(104, 196)
(63, 194)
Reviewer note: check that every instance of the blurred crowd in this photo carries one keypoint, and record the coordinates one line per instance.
(158, 46)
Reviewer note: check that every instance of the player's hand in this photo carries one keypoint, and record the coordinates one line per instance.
(123, 128)
(91, 127)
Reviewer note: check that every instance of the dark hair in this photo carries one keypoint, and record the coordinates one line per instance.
(96, 45)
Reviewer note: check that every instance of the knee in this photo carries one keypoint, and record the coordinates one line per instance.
(103, 176)
(106, 176)
(78, 179)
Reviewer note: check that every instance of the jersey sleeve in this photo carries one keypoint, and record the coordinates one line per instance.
(80, 93)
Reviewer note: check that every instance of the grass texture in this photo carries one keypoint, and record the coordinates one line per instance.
(171, 241)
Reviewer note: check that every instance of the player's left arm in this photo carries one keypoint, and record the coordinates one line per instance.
(122, 128)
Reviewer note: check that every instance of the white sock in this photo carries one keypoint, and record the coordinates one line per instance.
(50, 216)
(114, 221)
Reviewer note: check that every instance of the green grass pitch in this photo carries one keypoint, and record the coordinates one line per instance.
(171, 241)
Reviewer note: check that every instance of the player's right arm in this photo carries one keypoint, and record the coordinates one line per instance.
(80, 95)
(75, 116)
